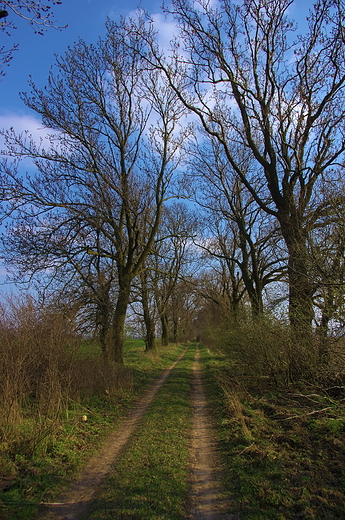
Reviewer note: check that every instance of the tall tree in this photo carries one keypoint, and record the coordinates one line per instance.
(245, 237)
(251, 80)
(146, 311)
(109, 161)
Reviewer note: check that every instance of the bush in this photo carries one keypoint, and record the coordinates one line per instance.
(268, 349)
(43, 369)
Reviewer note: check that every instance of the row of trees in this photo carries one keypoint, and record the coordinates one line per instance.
(243, 116)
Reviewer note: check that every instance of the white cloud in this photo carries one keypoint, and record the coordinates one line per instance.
(23, 123)
(166, 27)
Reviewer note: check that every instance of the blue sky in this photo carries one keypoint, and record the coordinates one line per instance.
(85, 19)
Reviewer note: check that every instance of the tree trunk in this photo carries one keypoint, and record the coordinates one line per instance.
(149, 324)
(301, 289)
(165, 329)
(103, 322)
(150, 335)
(105, 339)
(327, 312)
(148, 319)
(250, 274)
(175, 329)
(119, 323)
(255, 296)
(254, 292)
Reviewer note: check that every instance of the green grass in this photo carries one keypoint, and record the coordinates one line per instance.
(150, 481)
(278, 466)
(27, 477)
(147, 366)
(281, 460)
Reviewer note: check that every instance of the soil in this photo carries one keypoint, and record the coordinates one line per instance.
(206, 494)
(206, 498)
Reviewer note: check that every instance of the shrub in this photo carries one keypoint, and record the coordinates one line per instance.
(267, 348)
(43, 369)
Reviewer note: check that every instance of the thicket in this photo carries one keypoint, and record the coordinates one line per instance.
(269, 349)
(49, 375)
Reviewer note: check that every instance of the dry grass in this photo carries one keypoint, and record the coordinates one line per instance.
(283, 447)
(42, 370)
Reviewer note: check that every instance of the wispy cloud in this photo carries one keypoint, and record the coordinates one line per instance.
(21, 123)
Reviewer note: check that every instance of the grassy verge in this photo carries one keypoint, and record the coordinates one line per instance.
(150, 481)
(283, 450)
(32, 472)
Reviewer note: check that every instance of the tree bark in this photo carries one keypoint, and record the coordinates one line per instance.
(301, 288)
(119, 322)
(105, 333)
(165, 329)
(150, 335)
(149, 322)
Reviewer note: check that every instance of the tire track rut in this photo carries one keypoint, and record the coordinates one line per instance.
(206, 499)
(74, 503)
(207, 502)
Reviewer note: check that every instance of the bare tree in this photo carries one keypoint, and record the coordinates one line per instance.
(109, 161)
(143, 305)
(253, 82)
(168, 262)
(53, 256)
(242, 237)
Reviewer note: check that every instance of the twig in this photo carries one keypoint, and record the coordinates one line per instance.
(309, 397)
(247, 448)
(83, 407)
(309, 413)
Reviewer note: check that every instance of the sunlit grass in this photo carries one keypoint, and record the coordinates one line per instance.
(28, 477)
(150, 481)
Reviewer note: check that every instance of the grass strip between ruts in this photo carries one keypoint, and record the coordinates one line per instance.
(150, 481)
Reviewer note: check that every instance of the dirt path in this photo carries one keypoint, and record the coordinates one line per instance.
(74, 503)
(207, 500)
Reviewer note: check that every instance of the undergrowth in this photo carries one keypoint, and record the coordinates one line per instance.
(283, 448)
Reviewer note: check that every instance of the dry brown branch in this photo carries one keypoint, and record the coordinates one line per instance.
(306, 414)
